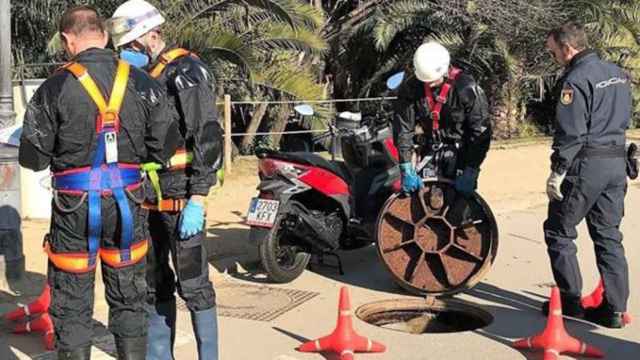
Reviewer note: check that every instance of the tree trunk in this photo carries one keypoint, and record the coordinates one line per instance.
(254, 125)
(280, 124)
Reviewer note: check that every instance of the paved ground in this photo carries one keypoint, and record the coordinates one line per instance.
(512, 291)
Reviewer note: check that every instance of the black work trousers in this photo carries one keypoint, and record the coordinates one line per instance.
(593, 189)
(189, 259)
(72, 295)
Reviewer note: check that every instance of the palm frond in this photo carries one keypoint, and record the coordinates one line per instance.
(280, 37)
(228, 45)
(399, 16)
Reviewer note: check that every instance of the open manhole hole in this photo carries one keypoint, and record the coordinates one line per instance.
(420, 316)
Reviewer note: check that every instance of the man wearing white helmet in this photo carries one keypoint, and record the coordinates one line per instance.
(453, 113)
(177, 204)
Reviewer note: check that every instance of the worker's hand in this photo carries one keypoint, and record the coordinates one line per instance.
(191, 219)
(411, 182)
(467, 182)
(553, 186)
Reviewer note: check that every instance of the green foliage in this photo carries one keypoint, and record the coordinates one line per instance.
(288, 49)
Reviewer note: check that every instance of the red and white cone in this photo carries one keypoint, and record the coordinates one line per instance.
(343, 341)
(38, 306)
(42, 323)
(596, 297)
(555, 340)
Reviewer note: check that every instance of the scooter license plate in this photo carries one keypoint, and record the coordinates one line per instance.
(262, 212)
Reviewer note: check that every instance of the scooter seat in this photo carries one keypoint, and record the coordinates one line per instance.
(336, 167)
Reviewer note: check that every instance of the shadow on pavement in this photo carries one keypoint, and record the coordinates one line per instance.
(518, 316)
(302, 340)
(362, 268)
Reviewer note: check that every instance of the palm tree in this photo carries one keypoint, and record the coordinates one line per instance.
(268, 44)
(615, 31)
(500, 42)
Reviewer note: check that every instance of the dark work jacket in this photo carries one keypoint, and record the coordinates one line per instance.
(593, 108)
(60, 122)
(190, 86)
(464, 119)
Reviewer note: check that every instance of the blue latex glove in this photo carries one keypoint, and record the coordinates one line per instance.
(191, 219)
(467, 182)
(411, 182)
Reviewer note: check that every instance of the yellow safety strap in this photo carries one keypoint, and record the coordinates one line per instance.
(165, 59)
(108, 111)
(180, 159)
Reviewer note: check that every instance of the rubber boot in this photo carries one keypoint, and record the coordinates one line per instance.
(80, 353)
(131, 348)
(205, 327)
(162, 330)
(604, 316)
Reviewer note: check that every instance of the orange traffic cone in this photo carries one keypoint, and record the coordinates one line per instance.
(554, 340)
(596, 297)
(343, 341)
(40, 305)
(42, 324)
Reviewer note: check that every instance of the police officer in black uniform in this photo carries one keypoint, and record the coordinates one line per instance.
(588, 178)
(66, 129)
(452, 110)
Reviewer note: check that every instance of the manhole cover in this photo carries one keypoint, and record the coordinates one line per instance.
(437, 242)
(419, 316)
(252, 302)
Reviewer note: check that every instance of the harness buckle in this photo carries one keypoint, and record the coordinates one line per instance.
(109, 119)
(441, 99)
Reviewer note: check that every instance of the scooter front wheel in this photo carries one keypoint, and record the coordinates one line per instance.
(282, 257)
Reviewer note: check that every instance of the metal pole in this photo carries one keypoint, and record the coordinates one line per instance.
(7, 115)
(227, 135)
(11, 254)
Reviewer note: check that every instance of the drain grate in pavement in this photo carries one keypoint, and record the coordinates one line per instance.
(252, 302)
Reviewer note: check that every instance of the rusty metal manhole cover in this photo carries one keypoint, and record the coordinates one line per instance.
(437, 242)
(417, 316)
(253, 302)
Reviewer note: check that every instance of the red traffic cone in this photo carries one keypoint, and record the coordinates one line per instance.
(596, 297)
(554, 340)
(48, 339)
(343, 341)
(42, 324)
(40, 305)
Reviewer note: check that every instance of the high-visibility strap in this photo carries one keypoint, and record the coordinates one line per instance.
(108, 111)
(155, 182)
(166, 205)
(113, 258)
(77, 263)
(166, 58)
(180, 160)
(435, 104)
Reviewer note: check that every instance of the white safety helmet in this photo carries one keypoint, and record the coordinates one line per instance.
(431, 62)
(132, 20)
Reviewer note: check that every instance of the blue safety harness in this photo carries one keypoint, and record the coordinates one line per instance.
(105, 174)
